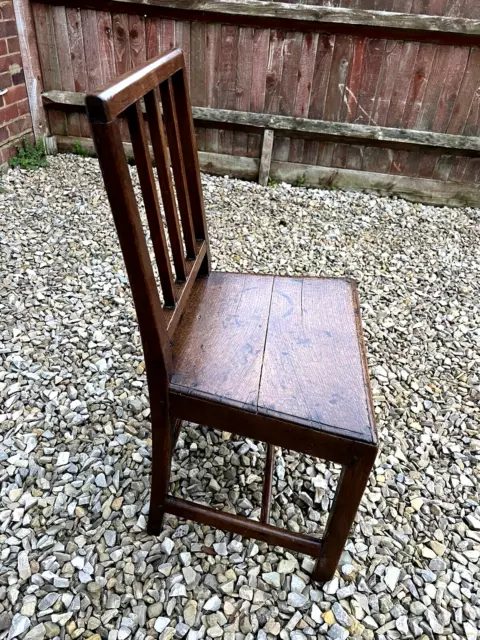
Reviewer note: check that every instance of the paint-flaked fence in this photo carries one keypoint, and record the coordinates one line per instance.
(297, 68)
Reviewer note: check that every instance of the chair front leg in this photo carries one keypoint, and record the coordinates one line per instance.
(350, 489)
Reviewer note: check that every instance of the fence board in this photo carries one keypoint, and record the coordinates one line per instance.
(260, 58)
(227, 71)
(292, 49)
(321, 74)
(211, 71)
(77, 54)
(49, 60)
(121, 42)
(137, 37)
(243, 85)
(66, 68)
(304, 90)
(198, 87)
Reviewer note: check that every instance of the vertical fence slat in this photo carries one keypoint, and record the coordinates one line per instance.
(261, 38)
(321, 72)
(225, 94)
(49, 60)
(304, 89)
(121, 46)
(66, 68)
(243, 85)
(212, 54)
(198, 87)
(105, 46)
(288, 87)
(152, 34)
(138, 50)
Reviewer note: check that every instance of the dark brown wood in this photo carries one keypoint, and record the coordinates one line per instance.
(351, 485)
(150, 198)
(190, 156)
(162, 163)
(116, 96)
(301, 17)
(243, 526)
(183, 289)
(277, 431)
(285, 347)
(272, 358)
(267, 484)
(176, 155)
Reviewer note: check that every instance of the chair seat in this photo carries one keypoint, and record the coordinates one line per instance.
(289, 348)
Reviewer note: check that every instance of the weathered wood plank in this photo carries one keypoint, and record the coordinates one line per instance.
(339, 72)
(77, 53)
(261, 38)
(292, 49)
(136, 33)
(323, 61)
(433, 192)
(304, 89)
(66, 68)
(466, 95)
(213, 47)
(92, 49)
(243, 85)
(198, 87)
(383, 136)
(152, 35)
(31, 67)
(442, 29)
(121, 42)
(182, 40)
(266, 157)
(105, 42)
(225, 87)
(49, 60)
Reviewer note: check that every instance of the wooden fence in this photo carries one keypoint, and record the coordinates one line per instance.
(353, 94)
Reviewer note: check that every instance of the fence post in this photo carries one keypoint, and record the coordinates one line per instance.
(266, 157)
(33, 74)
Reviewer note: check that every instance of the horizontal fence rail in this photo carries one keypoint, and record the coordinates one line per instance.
(280, 15)
(304, 128)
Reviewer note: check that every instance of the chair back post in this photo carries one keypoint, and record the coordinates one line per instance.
(121, 196)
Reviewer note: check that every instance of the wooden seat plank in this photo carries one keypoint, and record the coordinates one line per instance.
(313, 369)
(218, 346)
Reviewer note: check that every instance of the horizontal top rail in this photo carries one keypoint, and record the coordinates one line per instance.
(112, 99)
(303, 17)
(302, 127)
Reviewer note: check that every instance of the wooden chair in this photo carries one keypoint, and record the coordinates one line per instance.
(270, 358)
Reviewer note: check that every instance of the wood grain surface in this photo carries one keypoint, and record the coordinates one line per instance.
(284, 347)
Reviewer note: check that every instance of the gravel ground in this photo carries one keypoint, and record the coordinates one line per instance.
(76, 561)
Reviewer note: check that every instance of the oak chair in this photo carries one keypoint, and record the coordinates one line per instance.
(271, 358)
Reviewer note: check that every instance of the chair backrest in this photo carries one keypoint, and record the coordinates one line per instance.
(160, 81)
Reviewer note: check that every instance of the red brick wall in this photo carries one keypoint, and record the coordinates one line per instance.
(15, 120)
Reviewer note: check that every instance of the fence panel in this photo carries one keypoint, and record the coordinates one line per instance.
(307, 73)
